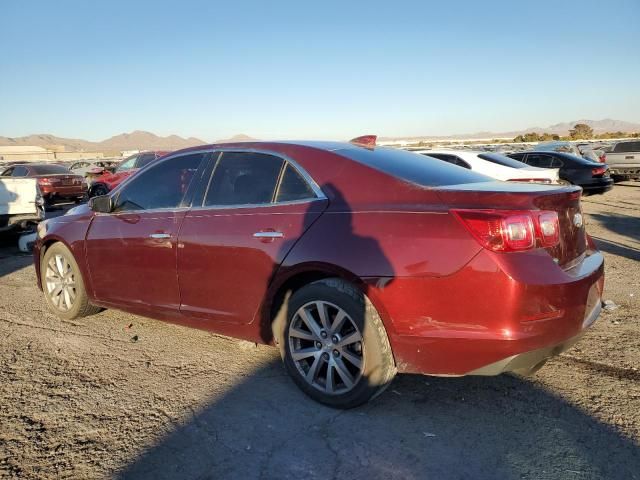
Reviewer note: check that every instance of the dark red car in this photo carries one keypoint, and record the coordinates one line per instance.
(56, 182)
(357, 261)
(106, 182)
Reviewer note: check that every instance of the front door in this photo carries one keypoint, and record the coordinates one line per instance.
(256, 208)
(131, 252)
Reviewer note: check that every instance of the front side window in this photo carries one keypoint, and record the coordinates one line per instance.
(7, 172)
(162, 186)
(243, 178)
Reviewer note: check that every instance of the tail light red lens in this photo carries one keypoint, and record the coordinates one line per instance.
(510, 231)
(598, 171)
(46, 181)
(603, 158)
(548, 229)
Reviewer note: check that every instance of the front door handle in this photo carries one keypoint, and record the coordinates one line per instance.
(268, 234)
(160, 235)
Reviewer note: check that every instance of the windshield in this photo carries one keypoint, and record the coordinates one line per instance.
(502, 160)
(49, 169)
(127, 164)
(412, 167)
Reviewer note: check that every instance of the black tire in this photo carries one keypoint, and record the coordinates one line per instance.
(378, 366)
(80, 306)
(98, 190)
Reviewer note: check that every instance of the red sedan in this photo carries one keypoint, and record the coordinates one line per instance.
(56, 182)
(357, 261)
(106, 182)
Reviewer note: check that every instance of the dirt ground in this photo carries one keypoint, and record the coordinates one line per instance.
(120, 396)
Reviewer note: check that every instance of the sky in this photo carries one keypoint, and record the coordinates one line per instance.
(317, 70)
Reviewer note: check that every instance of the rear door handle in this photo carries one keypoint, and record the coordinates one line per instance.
(160, 235)
(268, 235)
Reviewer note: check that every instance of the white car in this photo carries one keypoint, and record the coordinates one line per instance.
(21, 203)
(495, 165)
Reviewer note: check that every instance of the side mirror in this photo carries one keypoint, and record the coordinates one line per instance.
(101, 204)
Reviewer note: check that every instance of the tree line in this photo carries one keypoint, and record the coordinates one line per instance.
(580, 131)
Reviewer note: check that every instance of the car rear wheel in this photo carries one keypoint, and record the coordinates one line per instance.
(63, 285)
(335, 346)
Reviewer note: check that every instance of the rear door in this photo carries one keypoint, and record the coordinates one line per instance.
(254, 209)
(131, 252)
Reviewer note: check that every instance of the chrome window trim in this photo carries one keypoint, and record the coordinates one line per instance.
(319, 194)
(237, 206)
(115, 194)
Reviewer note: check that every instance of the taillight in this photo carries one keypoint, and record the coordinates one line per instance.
(598, 171)
(603, 158)
(45, 181)
(509, 231)
(548, 229)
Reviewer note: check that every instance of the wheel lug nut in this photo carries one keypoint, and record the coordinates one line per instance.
(318, 345)
(336, 353)
(335, 339)
(325, 356)
(323, 334)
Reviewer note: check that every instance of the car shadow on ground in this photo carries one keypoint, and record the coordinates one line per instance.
(619, 249)
(624, 225)
(422, 427)
(12, 259)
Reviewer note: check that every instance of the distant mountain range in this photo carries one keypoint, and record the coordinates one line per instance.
(141, 140)
(598, 126)
(137, 140)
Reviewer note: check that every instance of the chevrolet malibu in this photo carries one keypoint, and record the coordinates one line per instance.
(357, 261)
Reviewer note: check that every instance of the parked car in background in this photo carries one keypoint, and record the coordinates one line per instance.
(56, 182)
(90, 169)
(345, 255)
(21, 204)
(495, 165)
(580, 150)
(624, 160)
(103, 184)
(593, 177)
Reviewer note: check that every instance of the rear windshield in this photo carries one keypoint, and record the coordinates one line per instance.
(49, 169)
(502, 160)
(413, 167)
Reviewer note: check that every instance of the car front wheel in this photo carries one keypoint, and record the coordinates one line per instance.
(335, 346)
(63, 285)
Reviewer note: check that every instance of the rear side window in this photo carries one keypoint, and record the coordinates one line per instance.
(501, 160)
(145, 159)
(293, 186)
(627, 147)
(20, 172)
(412, 167)
(540, 160)
(161, 186)
(244, 178)
(49, 169)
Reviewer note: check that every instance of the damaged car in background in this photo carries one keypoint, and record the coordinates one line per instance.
(344, 255)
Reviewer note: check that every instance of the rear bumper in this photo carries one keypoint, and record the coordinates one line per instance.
(499, 313)
(529, 362)
(625, 171)
(598, 185)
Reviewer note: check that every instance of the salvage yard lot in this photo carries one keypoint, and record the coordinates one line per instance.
(124, 396)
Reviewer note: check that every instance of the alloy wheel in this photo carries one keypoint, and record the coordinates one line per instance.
(326, 346)
(60, 282)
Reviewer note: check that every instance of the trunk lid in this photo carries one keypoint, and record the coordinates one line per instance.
(564, 200)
